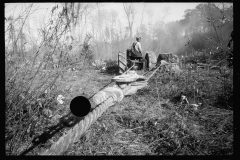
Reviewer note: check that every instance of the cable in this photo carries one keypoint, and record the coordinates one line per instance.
(75, 133)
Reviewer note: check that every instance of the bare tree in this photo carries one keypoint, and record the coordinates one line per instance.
(74, 14)
(150, 28)
(165, 11)
(114, 17)
(144, 6)
(130, 12)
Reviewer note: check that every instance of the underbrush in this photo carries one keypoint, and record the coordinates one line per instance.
(111, 67)
(155, 121)
(35, 78)
(31, 104)
(206, 117)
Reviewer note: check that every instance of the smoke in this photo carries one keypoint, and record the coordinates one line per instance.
(176, 38)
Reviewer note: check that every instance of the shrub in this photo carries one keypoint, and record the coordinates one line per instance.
(112, 67)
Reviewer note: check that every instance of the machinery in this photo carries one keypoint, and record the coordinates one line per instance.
(168, 57)
(149, 61)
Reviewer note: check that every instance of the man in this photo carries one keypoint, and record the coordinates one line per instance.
(136, 51)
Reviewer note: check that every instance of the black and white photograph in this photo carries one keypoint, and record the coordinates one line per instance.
(119, 79)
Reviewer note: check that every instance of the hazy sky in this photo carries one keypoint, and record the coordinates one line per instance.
(176, 11)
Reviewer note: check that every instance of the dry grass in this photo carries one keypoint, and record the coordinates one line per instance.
(34, 79)
(31, 105)
(152, 122)
(157, 123)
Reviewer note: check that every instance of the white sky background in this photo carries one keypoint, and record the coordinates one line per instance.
(176, 11)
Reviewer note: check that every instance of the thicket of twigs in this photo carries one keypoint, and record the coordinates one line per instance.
(32, 79)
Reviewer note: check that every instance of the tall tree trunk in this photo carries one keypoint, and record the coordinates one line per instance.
(130, 32)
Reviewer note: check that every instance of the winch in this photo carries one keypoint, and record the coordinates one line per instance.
(130, 82)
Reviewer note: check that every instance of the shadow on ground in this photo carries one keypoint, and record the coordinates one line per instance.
(112, 70)
(66, 121)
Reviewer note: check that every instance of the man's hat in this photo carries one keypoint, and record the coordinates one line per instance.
(137, 38)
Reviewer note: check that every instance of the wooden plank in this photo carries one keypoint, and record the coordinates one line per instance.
(122, 62)
(122, 59)
(122, 67)
(120, 55)
(121, 71)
